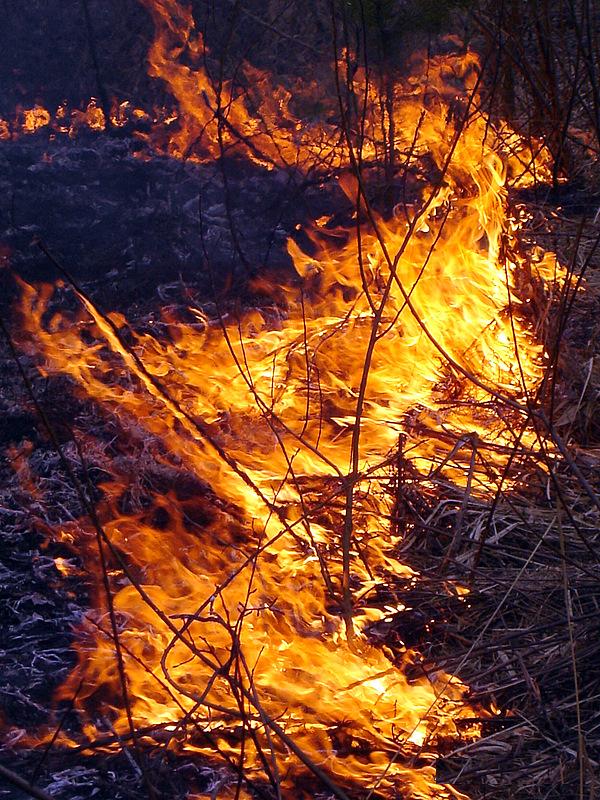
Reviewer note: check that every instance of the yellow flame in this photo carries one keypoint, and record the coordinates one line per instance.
(263, 411)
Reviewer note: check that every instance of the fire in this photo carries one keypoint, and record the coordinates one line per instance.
(71, 121)
(216, 115)
(273, 430)
(254, 115)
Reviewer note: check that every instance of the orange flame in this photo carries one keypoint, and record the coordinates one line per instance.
(71, 121)
(228, 588)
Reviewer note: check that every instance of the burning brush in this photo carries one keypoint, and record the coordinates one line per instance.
(239, 564)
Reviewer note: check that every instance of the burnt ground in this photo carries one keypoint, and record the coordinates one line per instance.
(126, 225)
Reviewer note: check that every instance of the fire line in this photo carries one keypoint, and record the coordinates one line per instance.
(281, 421)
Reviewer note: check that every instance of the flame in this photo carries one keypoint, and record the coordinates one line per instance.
(254, 115)
(216, 115)
(267, 425)
(71, 121)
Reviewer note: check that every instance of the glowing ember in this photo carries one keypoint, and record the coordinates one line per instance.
(229, 595)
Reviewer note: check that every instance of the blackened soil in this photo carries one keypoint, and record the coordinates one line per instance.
(126, 225)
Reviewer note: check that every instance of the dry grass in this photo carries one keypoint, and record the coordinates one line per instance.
(525, 639)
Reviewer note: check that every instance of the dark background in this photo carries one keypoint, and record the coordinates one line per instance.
(45, 53)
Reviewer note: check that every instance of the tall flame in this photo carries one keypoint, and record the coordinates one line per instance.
(229, 586)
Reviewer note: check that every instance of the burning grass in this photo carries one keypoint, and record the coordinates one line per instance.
(294, 539)
(526, 556)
